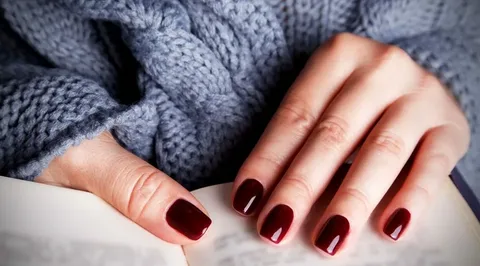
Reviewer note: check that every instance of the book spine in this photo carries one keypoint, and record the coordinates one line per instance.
(466, 192)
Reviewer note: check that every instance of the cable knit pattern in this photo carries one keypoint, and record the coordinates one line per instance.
(189, 84)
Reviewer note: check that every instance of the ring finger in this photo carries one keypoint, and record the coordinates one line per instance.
(378, 163)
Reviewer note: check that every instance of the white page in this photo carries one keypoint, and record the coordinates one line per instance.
(43, 225)
(447, 235)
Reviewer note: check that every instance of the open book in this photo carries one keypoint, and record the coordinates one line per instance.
(44, 225)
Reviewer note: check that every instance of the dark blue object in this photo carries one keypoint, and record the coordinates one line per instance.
(466, 192)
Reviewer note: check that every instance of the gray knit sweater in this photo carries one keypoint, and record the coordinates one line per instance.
(188, 85)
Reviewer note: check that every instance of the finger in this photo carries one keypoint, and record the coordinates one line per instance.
(379, 161)
(138, 190)
(342, 126)
(307, 98)
(437, 154)
(352, 113)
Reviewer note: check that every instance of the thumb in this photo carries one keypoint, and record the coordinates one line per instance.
(138, 190)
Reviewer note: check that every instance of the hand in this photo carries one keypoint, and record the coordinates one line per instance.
(353, 92)
(138, 190)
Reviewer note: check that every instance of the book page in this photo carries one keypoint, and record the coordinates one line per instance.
(448, 234)
(42, 225)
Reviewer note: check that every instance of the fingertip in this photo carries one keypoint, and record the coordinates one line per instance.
(163, 207)
(396, 224)
(276, 224)
(247, 197)
(333, 234)
(187, 219)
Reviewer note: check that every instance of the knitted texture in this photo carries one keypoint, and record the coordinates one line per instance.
(188, 85)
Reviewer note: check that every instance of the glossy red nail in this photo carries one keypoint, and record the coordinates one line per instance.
(333, 234)
(248, 196)
(277, 223)
(187, 219)
(397, 223)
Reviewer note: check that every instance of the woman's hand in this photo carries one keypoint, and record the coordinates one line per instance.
(353, 91)
(138, 190)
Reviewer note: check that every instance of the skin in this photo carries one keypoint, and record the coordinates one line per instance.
(132, 186)
(354, 93)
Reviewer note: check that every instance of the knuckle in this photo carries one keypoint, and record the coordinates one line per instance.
(331, 132)
(339, 41)
(299, 185)
(387, 142)
(358, 197)
(296, 114)
(427, 82)
(392, 54)
(462, 131)
(441, 160)
(340, 44)
(147, 185)
(274, 160)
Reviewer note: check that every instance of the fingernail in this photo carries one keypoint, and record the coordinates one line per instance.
(397, 223)
(187, 219)
(248, 196)
(333, 234)
(277, 223)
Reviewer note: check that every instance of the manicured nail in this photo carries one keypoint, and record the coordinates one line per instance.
(397, 223)
(277, 223)
(333, 234)
(248, 196)
(187, 219)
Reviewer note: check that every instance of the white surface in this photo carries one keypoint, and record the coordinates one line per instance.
(447, 235)
(45, 225)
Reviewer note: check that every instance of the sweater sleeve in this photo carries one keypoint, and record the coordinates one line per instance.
(443, 36)
(201, 72)
(44, 109)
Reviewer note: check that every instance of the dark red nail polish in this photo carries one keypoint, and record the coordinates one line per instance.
(397, 223)
(333, 234)
(277, 223)
(187, 219)
(248, 196)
